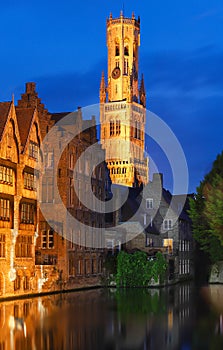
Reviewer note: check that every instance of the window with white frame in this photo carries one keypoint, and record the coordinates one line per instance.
(50, 160)
(47, 235)
(149, 203)
(167, 224)
(149, 242)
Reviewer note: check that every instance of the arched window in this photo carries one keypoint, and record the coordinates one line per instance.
(112, 128)
(117, 51)
(118, 127)
(126, 66)
(126, 50)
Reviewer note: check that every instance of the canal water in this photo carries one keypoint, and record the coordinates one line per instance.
(179, 317)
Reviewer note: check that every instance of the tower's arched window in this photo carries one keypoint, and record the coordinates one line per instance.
(112, 128)
(134, 50)
(136, 127)
(126, 66)
(117, 50)
(118, 127)
(126, 50)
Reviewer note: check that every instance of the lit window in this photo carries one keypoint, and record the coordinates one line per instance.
(26, 284)
(33, 150)
(23, 247)
(149, 203)
(6, 175)
(17, 283)
(29, 181)
(4, 209)
(168, 244)
(27, 213)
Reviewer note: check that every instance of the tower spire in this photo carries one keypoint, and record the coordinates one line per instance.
(102, 89)
(142, 92)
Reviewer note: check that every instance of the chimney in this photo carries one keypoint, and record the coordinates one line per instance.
(30, 87)
(158, 179)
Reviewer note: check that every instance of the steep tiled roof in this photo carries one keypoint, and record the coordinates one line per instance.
(4, 111)
(24, 118)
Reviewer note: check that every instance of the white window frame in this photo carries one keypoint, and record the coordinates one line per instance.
(149, 203)
(167, 224)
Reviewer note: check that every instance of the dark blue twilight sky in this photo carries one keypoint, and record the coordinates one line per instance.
(61, 45)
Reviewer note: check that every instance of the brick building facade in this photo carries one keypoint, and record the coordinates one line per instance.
(34, 257)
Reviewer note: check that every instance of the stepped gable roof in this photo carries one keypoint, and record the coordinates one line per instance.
(24, 118)
(4, 111)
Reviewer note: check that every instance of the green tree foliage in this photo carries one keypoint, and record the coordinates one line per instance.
(135, 270)
(214, 207)
(206, 212)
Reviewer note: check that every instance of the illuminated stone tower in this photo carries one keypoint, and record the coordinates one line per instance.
(122, 105)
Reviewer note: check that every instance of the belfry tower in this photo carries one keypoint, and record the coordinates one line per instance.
(122, 105)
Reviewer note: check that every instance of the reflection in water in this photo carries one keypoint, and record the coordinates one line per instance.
(172, 318)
